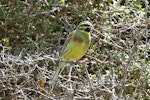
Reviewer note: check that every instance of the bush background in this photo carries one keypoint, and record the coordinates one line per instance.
(32, 33)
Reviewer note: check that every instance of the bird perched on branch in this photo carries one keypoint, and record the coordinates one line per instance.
(75, 46)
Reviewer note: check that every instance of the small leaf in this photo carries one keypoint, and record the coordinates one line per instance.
(63, 1)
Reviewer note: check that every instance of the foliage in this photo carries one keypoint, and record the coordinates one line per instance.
(117, 65)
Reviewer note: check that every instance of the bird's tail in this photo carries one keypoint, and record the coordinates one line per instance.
(58, 71)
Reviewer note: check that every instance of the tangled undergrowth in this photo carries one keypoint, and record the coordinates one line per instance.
(117, 65)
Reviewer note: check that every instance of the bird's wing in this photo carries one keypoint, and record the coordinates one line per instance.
(64, 49)
(62, 64)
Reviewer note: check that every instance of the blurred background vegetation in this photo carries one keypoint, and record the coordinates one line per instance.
(33, 31)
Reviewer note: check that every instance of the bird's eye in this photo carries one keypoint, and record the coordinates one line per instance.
(85, 27)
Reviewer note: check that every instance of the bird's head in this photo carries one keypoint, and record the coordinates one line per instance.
(85, 26)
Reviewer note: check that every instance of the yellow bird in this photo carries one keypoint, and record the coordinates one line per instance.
(75, 46)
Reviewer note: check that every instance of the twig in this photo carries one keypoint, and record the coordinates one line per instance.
(90, 83)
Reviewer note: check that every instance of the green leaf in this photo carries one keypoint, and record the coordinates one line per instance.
(63, 1)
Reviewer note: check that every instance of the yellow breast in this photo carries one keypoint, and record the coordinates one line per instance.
(75, 50)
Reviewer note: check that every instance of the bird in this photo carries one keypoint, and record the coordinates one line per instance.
(75, 46)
